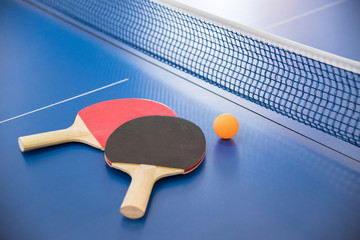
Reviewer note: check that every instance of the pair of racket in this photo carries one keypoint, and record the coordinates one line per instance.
(141, 137)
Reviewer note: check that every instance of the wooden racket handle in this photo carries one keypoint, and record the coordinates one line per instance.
(78, 132)
(137, 197)
(143, 179)
(46, 139)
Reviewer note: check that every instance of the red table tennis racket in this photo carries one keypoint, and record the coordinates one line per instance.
(94, 124)
(150, 148)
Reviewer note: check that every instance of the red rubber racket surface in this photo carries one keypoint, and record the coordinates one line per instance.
(103, 118)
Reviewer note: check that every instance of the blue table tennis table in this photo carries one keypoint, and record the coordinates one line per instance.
(280, 177)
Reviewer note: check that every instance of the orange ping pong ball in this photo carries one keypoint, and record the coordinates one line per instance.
(226, 126)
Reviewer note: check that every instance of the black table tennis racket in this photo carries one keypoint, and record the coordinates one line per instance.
(150, 148)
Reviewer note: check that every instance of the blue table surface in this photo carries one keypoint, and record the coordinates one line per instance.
(265, 183)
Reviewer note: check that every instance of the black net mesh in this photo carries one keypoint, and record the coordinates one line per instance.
(312, 92)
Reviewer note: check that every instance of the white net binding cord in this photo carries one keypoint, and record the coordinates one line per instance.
(315, 88)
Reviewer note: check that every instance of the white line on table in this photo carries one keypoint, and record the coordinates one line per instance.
(63, 101)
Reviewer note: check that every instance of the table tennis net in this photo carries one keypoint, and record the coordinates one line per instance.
(318, 94)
